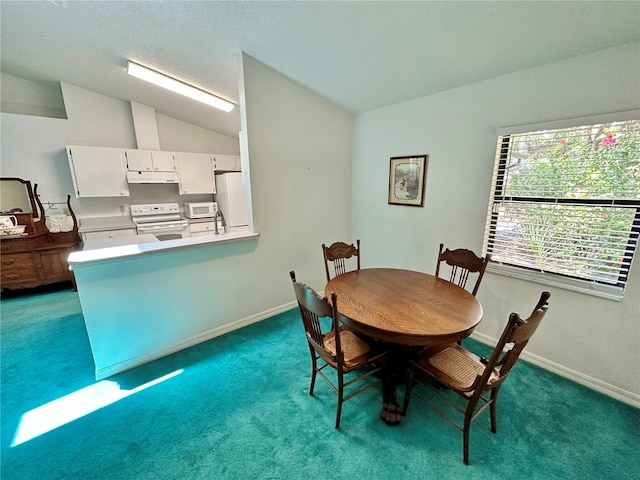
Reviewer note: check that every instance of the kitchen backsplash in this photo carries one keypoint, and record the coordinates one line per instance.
(139, 194)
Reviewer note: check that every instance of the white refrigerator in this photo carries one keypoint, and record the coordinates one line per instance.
(231, 202)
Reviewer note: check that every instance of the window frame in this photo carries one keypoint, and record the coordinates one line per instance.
(496, 195)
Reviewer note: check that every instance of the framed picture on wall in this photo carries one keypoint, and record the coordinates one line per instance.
(407, 176)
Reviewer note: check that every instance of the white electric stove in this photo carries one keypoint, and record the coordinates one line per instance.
(161, 220)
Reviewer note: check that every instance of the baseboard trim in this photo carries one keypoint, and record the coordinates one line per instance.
(110, 370)
(589, 382)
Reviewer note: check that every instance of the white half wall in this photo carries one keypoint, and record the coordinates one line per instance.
(597, 339)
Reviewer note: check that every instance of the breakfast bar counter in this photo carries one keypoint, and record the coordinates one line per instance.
(143, 301)
(144, 244)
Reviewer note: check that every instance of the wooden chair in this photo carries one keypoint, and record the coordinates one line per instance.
(338, 347)
(462, 262)
(337, 254)
(475, 379)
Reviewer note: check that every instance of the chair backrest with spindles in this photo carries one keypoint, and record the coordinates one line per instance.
(462, 263)
(337, 254)
(312, 308)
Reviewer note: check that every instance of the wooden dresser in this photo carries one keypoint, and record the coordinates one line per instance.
(39, 257)
(34, 260)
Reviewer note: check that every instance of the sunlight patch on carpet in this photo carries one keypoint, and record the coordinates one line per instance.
(66, 409)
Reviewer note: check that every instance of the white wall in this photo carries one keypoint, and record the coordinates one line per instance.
(18, 95)
(595, 341)
(33, 148)
(176, 136)
(300, 148)
(97, 120)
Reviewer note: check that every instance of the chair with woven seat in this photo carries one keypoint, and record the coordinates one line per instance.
(336, 347)
(462, 263)
(337, 254)
(475, 379)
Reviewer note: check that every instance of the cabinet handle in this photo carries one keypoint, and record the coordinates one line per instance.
(8, 262)
(12, 276)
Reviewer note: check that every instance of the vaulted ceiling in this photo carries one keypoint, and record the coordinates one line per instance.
(362, 55)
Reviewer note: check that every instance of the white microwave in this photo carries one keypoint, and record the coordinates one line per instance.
(200, 209)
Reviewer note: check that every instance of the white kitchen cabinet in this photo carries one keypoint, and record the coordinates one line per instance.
(202, 228)
(150, 161)
(196, 173)
(98, 228)
(139, 160)
(226, 163)
(125, 232)
(98, 171)
(163, 161)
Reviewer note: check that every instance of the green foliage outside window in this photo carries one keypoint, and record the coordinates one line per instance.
(600, 161)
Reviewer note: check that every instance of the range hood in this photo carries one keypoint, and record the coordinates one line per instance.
(151, 177)
(146, 130)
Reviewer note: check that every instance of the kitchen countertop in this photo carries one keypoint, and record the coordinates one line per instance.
(96, 224)
(120, 251)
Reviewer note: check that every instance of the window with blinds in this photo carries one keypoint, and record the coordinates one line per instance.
(566, 204)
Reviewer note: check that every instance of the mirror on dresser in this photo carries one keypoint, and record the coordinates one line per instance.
(16, 195)
(32, 256)
(17, 199)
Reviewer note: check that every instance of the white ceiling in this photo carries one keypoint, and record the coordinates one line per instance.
(360, 54)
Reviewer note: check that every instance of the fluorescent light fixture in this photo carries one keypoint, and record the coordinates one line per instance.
(177, 86)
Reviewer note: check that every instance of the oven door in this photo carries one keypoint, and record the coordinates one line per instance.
(165, 230)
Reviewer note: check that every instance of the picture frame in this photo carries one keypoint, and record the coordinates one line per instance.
(407, 177)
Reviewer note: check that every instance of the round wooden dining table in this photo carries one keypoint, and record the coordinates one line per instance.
(403, 308)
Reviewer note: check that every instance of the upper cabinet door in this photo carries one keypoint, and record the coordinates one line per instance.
(226, 163)
(150, 161)
(196, 173)
(139, 160)
(98, 171)
(163, 161)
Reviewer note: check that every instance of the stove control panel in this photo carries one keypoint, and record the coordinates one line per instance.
(154, 209)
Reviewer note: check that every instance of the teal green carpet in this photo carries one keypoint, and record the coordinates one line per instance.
(237, 407)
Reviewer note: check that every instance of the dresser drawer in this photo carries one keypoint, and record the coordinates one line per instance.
(18, 277)
(13, 246)
(15, 261)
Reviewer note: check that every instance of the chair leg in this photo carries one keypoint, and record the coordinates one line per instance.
(492, 409)
(465, 436)
(314, 369)
(340, 396)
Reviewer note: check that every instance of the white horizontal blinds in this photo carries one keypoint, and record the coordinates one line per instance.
(584, 242)
(567, 201)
